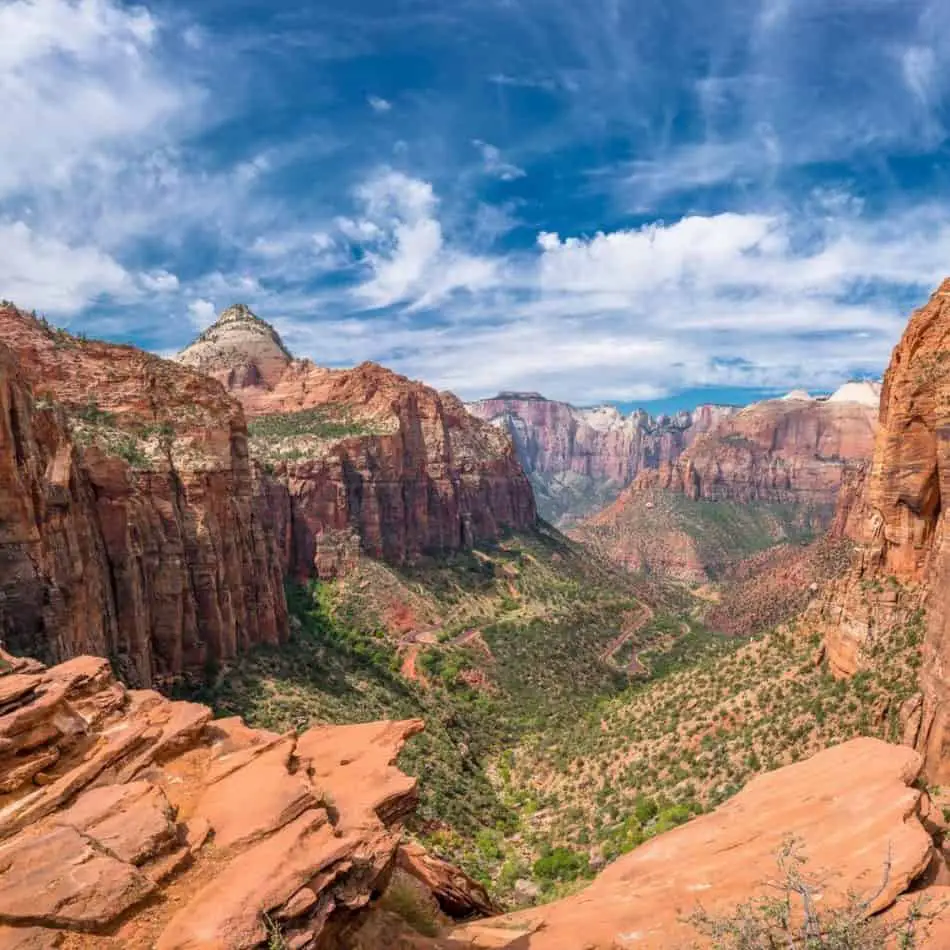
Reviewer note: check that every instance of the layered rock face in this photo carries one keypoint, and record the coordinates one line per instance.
(133, 524)
(364, 458)
(792, 450)
(852, 809)
(128, 820)
(897, 518)
(579, 459)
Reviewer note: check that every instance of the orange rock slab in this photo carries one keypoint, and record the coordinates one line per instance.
(851, 807)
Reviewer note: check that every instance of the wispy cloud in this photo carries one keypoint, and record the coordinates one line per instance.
(495, 165)
(378, 104)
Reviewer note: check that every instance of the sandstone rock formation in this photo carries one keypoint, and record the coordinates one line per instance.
(896, 517)
(132, 524)
(239, 350)
(363, 458)
(853, 808)
(770, 473)
(128, 820)
(782, 450)
(579, 459)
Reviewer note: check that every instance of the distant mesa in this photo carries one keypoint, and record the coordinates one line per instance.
(798, 394)
(509, 395)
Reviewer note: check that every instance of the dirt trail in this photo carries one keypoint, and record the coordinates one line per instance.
(633, 624)
(412, 643)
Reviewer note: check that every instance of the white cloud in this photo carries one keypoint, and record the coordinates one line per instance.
(159, 281)
(78, 81)
(202, 313)
(46, 274)
(495, 165)
(752, 300)
(378, 104)
(404, 247)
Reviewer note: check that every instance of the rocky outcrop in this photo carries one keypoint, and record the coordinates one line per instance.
(579, 459)
(853, 811)
(768, 474)
(897, 519)
(133, 523)
(126, 821)
(365, 459)
(792, 450)
(239, 350)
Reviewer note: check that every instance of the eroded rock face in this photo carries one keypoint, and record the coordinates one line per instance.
(134, 525)
(149, 825)
(852, 808)
(365, 458)
(597, 451)
(791, 450)
(897, 518)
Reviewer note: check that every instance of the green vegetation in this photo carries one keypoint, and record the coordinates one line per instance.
(403, 898)
(139, 445)
(322, 422)
(291, 436)
(668, 532)
(541, 759)
(713, 713)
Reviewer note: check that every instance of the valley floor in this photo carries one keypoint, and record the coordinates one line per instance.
(572, 710)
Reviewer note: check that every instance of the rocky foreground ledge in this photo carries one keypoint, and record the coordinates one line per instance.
(130, 820)
(854, 811)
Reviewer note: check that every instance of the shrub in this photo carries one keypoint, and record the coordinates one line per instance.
(791, 917)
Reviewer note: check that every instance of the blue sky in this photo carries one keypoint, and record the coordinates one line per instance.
(640, 201)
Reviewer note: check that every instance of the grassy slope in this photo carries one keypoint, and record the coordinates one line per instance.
(715, 713)
(540, 758)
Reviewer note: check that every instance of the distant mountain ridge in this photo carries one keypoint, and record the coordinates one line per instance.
(579, 460)
(365, 459)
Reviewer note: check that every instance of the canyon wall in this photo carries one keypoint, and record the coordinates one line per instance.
(899, 526)
(794, 450)
(579, 459)
(368, 459)
(132, 524)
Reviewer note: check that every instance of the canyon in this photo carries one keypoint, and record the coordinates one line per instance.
(143, 524)
(365, 459)
(579, 459)
(153, 509)
(768, 474)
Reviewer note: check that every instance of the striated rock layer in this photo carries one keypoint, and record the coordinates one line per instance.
(895, 514)
(126, 821)
(792, 450)
(579, 459)
(363, 458)
(133, 524)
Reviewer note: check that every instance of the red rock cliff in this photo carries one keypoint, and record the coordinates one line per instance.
(580, 458)
(132, 525)
(363, 457)
(126, 821)
(899, 524)
(792, 450)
